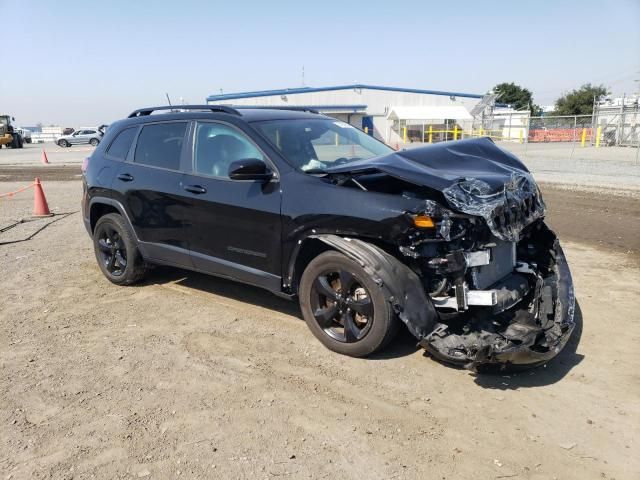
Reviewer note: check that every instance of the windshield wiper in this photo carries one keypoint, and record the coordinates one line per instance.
(315, 171)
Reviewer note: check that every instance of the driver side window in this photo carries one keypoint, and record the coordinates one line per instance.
(218, 146)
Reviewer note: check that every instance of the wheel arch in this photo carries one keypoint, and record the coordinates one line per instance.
(402, 285)
(306, 250)
(100, 206)
(310, 247)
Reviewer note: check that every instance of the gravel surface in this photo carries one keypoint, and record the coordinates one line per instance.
(31, 154)
(197, 377)
(612, 167)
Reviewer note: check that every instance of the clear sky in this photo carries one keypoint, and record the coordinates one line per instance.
(84, 63)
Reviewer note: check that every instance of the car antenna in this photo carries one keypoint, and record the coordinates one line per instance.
(169, 100)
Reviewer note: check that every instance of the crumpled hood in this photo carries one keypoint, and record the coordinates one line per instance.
(440, 165)
(475, 176)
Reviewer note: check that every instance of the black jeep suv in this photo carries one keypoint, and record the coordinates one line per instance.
(448, 239)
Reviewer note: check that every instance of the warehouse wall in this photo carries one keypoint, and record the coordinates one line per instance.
(378, 102)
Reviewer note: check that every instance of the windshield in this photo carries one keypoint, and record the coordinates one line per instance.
(313, 145)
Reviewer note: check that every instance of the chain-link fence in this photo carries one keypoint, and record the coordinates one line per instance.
(607, 126)
(577, 149)
(617, 125)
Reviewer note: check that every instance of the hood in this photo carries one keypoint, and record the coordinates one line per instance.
(475, 177)
(441, 165)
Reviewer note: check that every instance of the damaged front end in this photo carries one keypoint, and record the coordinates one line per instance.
(488, 263)
(502, 302)
(496, 275)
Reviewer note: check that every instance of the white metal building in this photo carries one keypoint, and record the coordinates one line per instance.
(385, 112)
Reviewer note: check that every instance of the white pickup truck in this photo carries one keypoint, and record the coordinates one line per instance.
(26, 134)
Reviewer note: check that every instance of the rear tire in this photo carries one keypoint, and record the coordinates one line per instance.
(94, 142)
(117, 251)
(361, 321)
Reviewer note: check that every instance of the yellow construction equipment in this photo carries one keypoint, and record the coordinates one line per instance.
(8, 135)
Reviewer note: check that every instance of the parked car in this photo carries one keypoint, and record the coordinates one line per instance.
(448, 239)
(79, 137)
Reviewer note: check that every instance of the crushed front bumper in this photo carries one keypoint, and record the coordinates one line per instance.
(516, 337)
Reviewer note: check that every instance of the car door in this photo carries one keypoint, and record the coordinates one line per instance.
(235, 227)
(75, 137)
(149, 187)
(88, 135)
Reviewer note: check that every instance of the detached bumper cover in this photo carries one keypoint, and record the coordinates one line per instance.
(518, 336)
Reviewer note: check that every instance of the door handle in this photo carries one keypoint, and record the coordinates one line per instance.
(197, 189)
(125, 177)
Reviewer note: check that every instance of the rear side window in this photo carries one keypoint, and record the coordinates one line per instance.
(160, 144)
(122, 143)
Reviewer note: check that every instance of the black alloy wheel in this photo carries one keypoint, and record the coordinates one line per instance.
(341, 306)
(113, 251)
(116, 250)
(344, 307)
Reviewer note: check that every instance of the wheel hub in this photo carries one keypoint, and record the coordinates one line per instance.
(342, 306)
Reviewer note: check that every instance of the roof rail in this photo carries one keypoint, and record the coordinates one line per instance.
(276, 107)
(142, 112)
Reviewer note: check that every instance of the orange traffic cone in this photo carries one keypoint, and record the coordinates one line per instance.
(44, 157)
(40, 207)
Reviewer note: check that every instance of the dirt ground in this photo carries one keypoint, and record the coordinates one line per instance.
(195, 377)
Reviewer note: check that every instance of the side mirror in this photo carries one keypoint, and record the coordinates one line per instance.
(250, 169)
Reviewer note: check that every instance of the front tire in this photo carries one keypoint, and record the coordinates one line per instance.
(63, 143)
(116, 250)
(344, 308)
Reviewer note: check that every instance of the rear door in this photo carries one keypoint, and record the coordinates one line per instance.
(235, 228)
(88, 135)
(149, 186)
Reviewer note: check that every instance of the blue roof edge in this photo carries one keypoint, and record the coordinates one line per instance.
(313, 107)
(293, 91)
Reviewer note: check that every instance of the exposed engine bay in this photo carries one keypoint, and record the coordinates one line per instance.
(497, 301)
(494, 275)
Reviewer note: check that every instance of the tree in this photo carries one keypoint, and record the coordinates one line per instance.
(580, 101)
(518, 97)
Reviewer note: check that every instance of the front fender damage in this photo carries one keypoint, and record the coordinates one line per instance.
(403, 287)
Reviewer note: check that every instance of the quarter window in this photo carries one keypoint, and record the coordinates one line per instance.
(218, 146)
(160, 144)
(122, 143)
